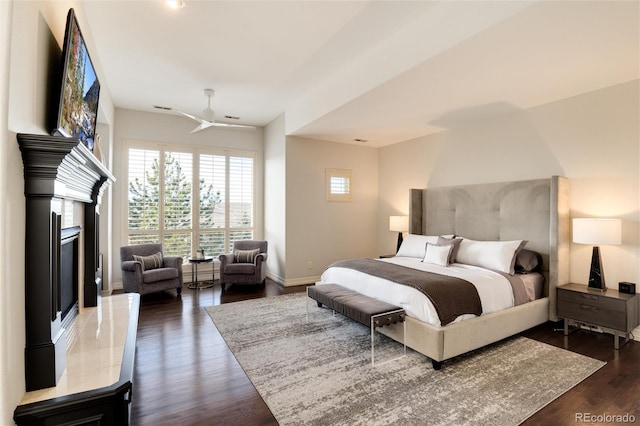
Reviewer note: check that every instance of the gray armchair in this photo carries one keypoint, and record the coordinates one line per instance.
(146, 270)
(245, 265)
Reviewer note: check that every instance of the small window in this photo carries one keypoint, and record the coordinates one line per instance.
(338, 184)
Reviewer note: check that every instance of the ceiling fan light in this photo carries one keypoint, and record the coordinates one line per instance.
(175, 4)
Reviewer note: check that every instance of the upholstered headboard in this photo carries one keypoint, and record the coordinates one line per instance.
(532, 210)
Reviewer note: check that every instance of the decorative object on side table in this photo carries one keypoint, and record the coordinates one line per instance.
(399, 224)
(612, 311)
(597, 231)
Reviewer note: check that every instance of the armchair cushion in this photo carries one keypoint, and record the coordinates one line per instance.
(159, 274)
(240, 268)
(245, 256)
(149, 262)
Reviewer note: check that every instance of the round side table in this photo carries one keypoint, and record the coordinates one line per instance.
(195, 261)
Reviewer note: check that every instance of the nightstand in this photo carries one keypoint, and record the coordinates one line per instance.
(612, 311)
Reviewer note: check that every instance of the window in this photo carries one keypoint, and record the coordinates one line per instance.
(194, 200)
(338, 185)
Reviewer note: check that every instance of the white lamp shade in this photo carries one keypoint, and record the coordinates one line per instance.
(596, 231)
(399, 223)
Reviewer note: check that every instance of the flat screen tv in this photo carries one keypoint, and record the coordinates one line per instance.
(80, 88)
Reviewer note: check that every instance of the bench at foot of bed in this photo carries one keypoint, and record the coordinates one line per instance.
(366, 310)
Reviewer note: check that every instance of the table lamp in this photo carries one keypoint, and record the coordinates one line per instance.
(399, 224)
(597, 232)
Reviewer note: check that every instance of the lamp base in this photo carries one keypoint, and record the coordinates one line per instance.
(399, 241)
(596, 273)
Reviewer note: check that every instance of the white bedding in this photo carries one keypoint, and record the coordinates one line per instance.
(494, 290)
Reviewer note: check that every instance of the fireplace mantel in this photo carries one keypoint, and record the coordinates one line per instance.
(55, 168)
(61, 167)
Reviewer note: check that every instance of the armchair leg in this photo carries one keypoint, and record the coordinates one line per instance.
(179, 290)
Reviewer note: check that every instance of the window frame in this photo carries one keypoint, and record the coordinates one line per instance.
(339, 197)
(195, 231)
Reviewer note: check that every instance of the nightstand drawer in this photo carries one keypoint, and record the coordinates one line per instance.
(593, 314)
(595, 300)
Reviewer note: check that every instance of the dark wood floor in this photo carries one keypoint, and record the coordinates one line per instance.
(185, 374)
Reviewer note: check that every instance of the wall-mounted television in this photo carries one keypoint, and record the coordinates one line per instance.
(80, 88)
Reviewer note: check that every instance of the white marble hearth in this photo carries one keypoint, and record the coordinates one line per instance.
(95, 348)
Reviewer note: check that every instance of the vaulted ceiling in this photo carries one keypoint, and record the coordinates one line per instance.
(382, 71)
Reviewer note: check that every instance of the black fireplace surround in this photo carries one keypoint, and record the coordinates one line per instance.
(56, 169)
(69, 257)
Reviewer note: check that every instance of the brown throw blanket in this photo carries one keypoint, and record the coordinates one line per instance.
(451, 296)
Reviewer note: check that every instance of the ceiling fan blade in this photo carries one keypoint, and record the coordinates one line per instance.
(193, 117)
(204, 124)
(217, 123)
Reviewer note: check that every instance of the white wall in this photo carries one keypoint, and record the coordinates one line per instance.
(30, 51)
(275, 197)
(12, 327)
(103, 149)
(171, 129)
(593, 139)
(402, 166)
(322, 232)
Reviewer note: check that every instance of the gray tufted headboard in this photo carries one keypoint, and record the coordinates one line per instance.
(532, 210)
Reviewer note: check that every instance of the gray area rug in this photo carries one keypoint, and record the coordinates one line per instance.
(319, 372)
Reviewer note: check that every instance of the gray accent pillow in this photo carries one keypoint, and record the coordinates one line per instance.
(528, 261)
(152, 261)
(455, 242)
(245, 256)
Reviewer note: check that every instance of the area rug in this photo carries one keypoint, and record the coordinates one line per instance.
(318, 372)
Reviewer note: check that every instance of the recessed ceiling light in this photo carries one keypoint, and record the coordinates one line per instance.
(175, 4)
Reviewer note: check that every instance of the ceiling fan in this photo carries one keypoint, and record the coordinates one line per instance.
(208, 115)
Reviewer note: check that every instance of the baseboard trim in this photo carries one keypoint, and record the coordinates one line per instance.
(301, 281)
(292, 282)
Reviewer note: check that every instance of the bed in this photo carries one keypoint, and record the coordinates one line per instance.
(535, 211)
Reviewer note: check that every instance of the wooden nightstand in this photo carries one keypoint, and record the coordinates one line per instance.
(612, 311)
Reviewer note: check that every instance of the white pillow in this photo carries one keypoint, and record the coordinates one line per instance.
(438, 255)
(414, 245)
(496, 255)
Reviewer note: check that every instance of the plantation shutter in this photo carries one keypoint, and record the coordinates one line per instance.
(143, 196)
(212, 184)
(241, 197)
(177, 203)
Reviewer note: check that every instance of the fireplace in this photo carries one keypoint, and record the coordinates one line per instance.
(69, 267)
(61, 265)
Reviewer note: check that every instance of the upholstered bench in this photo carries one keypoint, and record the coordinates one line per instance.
(366, 310)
